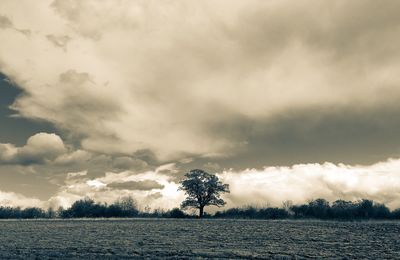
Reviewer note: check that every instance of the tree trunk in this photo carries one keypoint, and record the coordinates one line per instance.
(201, 211)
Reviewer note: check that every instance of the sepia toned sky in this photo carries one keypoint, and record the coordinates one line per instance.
(295, 99)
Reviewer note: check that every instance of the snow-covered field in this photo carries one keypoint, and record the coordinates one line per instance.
(169, 238)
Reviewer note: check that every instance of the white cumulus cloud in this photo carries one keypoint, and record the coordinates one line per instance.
(303, 182)
(39, 148)
(269, 186)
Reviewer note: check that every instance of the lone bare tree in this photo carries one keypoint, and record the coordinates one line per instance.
(202, 189)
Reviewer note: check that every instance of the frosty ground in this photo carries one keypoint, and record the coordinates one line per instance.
(206, 238)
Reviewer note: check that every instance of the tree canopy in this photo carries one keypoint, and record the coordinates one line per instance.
(202, 189)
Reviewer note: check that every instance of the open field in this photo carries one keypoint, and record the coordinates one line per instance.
(170, 238)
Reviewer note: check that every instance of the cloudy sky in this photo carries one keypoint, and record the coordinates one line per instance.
(284, 100)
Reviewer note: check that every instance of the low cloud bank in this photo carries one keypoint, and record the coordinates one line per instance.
(272, 185)
(302, 182)
(12, 199)
(151, 189)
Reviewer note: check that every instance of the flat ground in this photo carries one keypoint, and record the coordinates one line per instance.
(189, 238)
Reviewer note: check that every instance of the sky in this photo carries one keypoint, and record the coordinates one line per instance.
(283, 100)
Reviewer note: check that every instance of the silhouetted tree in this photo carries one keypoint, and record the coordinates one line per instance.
(299, 211)
(365, 209)
(85, 208)
(273, 213)
(342, 209)
(229, 213)
(33, 213)
(176, 213)
(202, 189)
(395, 214)
(253, 213)
(318, 208)
(287, 205)
(381, 211)
(123, 207)
(128, 206)
(60, 212)
(51, 213)
(81, 208)
(9, 212)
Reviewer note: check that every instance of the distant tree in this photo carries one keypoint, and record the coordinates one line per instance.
(300, 211)
(395, 214)
(9, 212)
(33, 212)
(273, 213)
(381, 211)
(253, 213)
(202, 189)
(51, 213)
(287, 204)
(123, 207)
(342, 209)
(62, 213)
(86, 208)
(176, 213)
(318, 208)
(365, 209)
(127, 204)
(81, 208)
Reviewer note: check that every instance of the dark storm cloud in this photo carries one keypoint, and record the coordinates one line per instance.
(349, 32)
(198, 85)
(136, 185)
(260, 60)
(346, 135)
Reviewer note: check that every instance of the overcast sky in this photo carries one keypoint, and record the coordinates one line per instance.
(295, 99)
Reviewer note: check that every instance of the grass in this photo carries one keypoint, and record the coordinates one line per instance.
(189, 238)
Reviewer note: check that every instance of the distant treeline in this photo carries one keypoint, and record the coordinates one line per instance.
(127, 208)
(316, 209)
(88, 208)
